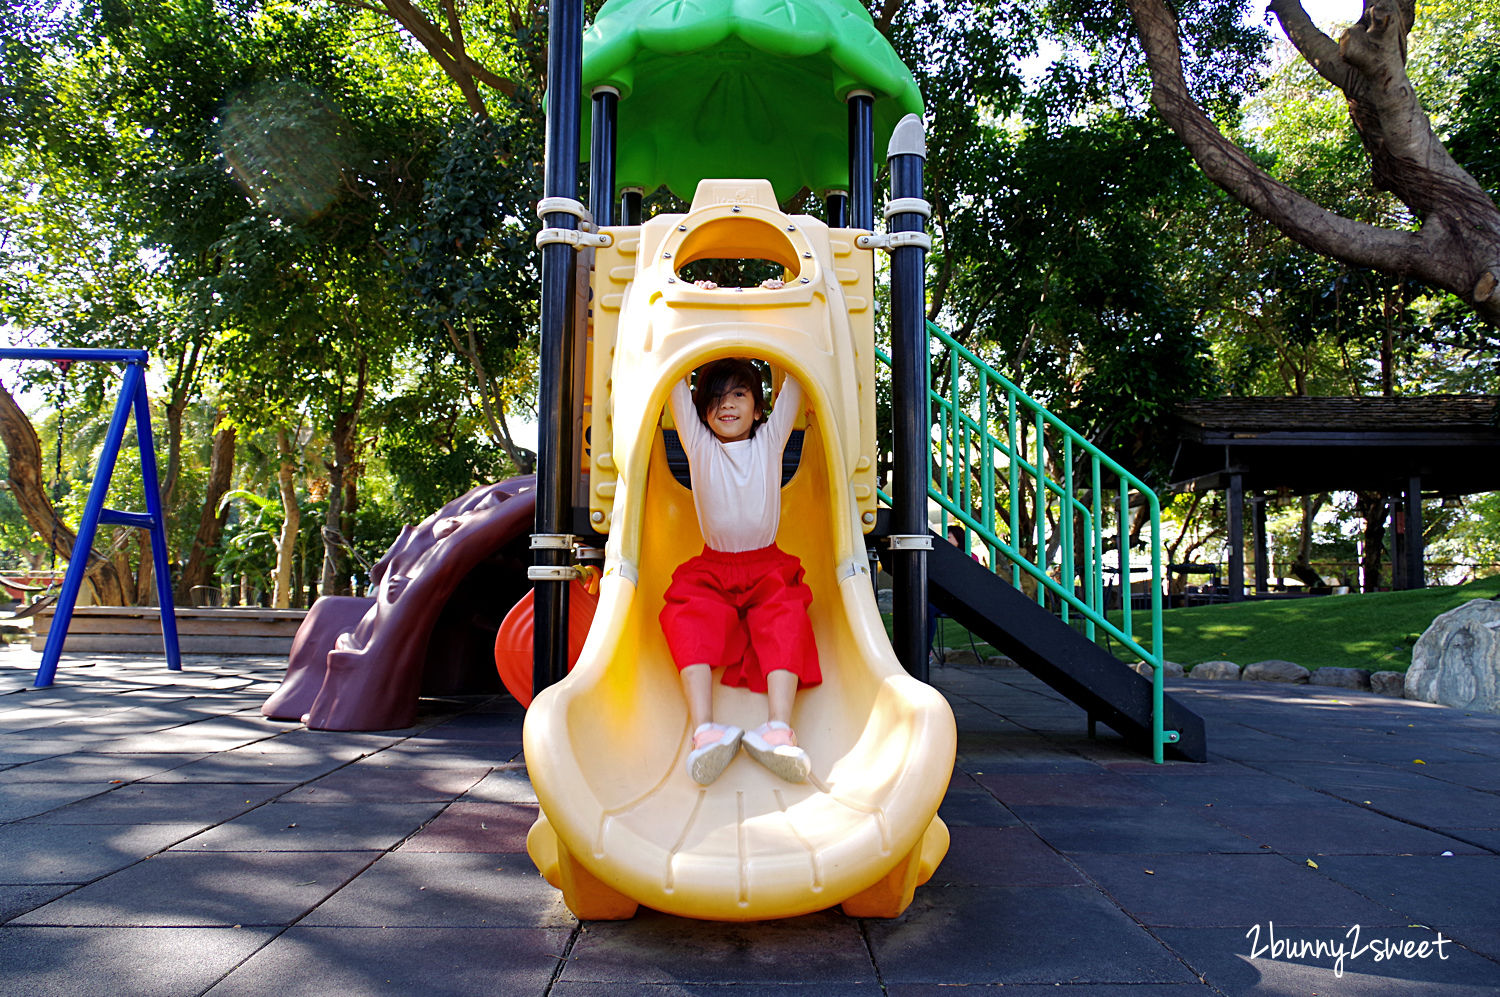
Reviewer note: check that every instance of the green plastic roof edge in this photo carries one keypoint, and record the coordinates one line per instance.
(741, 88)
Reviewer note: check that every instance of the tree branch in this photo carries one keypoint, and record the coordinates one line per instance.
(1320, 51)
(448, 52)
(888, 10)
(1459, 243)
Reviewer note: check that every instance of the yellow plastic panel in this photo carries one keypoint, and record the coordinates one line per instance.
(614, 269)
(622, 822)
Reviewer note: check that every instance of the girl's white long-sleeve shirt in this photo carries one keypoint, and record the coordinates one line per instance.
(737, 486)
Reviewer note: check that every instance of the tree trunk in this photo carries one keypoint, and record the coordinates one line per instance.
(286, 543)
(200, 568)
(349, 515)
(145, 572)
(1302, 566)
(182, 389)
(493, 408)
(1458, 246)
(24, 452)
(448, 50)
(1372, 508)
(333, 551)
(343, 472)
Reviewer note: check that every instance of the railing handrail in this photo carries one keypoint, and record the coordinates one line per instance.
(1084, 563)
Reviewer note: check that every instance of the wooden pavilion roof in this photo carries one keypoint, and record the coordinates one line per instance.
(1303, 445)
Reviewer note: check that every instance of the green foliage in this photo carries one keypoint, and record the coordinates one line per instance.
(1099, 64)
(466, 259)
(247, 548)
(287, 203)
(432, 445)
(1472, 537)
(1311, 325)
(1472, 138)
(1064, 275)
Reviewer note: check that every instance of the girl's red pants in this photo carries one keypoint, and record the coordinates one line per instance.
(745, 611)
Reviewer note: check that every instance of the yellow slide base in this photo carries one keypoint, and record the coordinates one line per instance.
(587, 897)
(892, 895)
(592, 900)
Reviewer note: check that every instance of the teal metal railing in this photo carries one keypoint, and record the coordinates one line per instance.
(1042, 500)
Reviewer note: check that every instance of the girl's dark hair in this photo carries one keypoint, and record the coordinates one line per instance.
(717, 378)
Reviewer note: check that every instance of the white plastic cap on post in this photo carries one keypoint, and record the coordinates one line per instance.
(909, 138)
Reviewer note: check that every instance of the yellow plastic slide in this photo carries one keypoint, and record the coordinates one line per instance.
(622, 824)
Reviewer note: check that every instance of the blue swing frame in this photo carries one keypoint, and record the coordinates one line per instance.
(132, 396)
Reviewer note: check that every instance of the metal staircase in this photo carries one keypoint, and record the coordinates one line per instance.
(1055, 516)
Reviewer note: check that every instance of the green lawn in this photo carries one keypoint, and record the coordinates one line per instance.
(1375, 631)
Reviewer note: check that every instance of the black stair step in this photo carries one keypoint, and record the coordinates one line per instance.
(1109, 690)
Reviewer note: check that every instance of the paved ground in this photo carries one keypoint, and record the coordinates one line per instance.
(157, 836)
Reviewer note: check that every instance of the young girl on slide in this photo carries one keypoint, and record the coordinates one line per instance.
(741, 603)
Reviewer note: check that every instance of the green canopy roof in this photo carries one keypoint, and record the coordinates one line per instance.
(741, 88)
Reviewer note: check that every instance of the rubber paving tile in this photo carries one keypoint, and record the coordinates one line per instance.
(456, 889)
(658, 948)
(401, 962)
(212, 889)
(1058, 935)
(1075, 865)
(137, 962)
(78, 853)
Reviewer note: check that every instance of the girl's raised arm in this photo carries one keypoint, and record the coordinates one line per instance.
(690, 429)
(789, 404)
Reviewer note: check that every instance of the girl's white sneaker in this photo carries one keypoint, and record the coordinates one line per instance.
(774, 745)
(711, 755)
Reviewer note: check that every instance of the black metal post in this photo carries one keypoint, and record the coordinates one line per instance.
(1416, 575)
(554, 492)
(836, 205)
(1236, 538)
(861, 159)
(907, 155)
(602, 155)
(630, 205)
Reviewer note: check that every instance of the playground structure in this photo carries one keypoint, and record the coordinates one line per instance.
(621, 823)
(621, 828)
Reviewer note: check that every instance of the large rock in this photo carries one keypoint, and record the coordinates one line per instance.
(1215, 670)
(1169, 670)
(1275, 670)
(1391, 684)
(1342, 678)
(1457, 661)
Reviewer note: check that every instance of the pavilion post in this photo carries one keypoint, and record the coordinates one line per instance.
(1416, 576)
(1398, 542)
(1236, 537)
(1262, 548)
